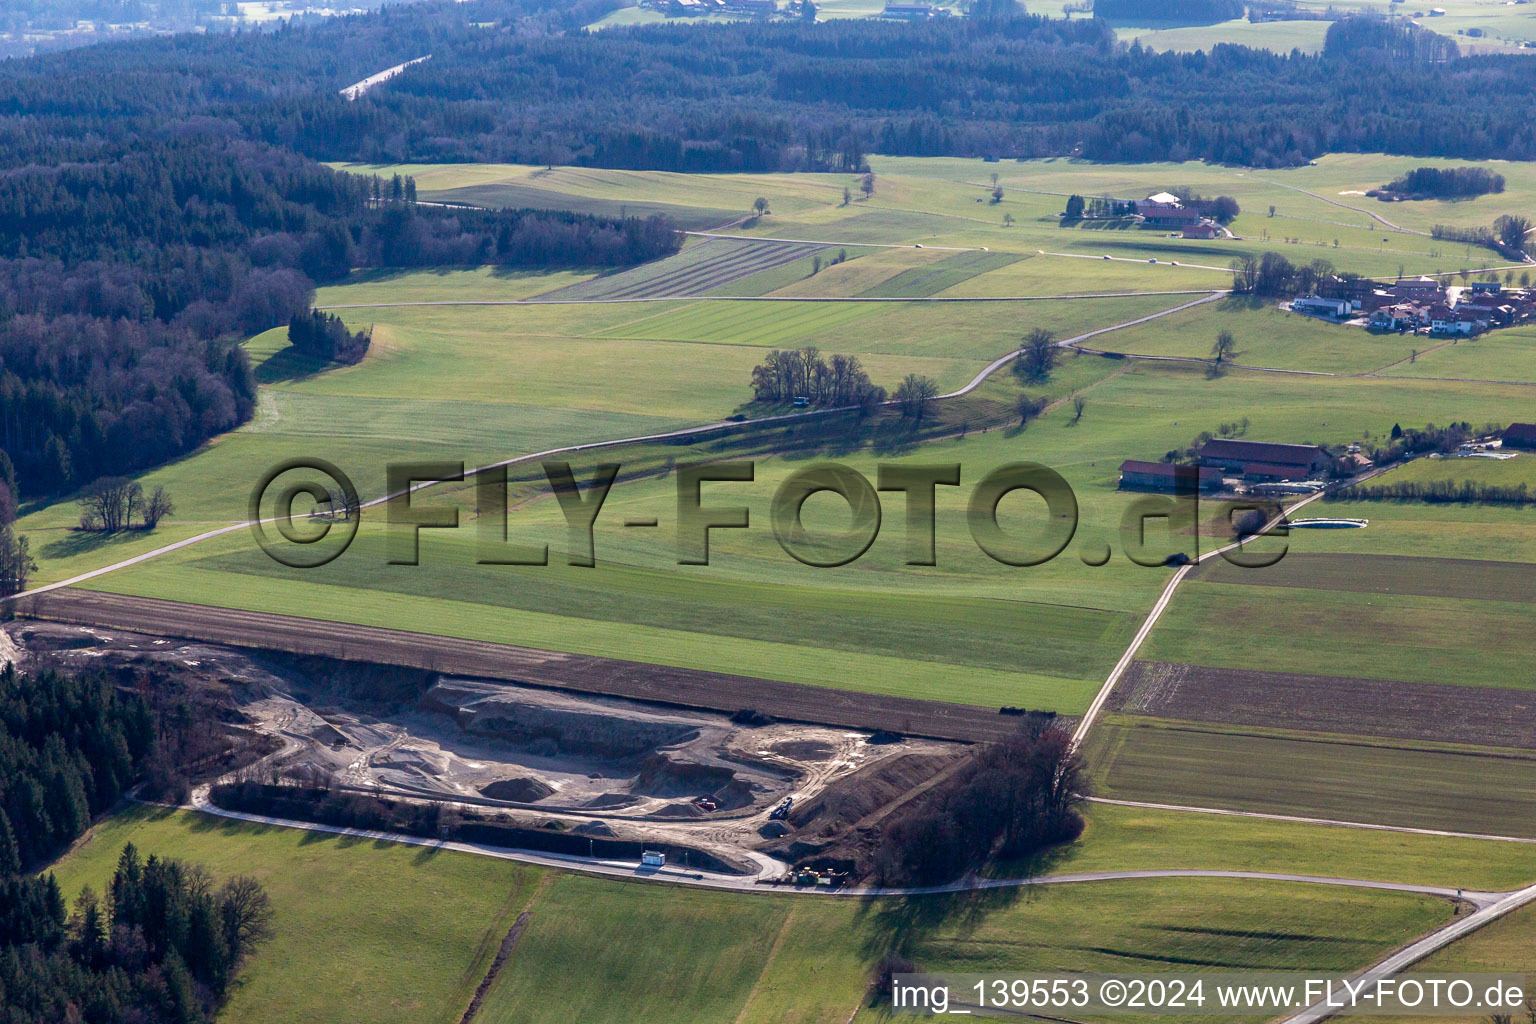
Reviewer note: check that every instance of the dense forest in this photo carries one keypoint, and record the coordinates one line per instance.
(162, 946)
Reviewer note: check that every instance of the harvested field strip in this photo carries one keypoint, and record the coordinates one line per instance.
(1464, 579)
(922, 281)
(693, 271)
(1458, 789)
(1482, 715)
(583, 673)
(747, 323)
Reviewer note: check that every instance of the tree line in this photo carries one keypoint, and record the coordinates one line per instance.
(768, 95)
(1440, 492)
(164, 943)
(1445, 183)
(1180, 12)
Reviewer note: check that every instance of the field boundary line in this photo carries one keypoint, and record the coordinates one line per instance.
(1303, 820)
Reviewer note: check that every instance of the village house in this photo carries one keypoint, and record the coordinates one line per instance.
(1202, 230)
(1165, 476)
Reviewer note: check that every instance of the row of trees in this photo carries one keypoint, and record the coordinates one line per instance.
(162, 945)
(1441, 492)
(1272, 274)
(1014, 798)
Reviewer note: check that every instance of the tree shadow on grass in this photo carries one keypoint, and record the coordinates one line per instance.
(81, 542)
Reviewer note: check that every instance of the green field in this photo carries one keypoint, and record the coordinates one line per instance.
(1266, 337)
(1279, 36)
(1498, 355)
(406, 933)
(1337, 777)
(1120, 838)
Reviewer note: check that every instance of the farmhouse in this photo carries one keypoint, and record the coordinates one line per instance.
(1519, 435)
(1269, 461)
(1424, 289)
(1165, 476)
(1166, 215)
(1203, 230)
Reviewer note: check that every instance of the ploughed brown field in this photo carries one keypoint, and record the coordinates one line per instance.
(1485, 716)
(1465, 579)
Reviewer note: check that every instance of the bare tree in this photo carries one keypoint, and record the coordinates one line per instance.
(110, 503)
(1028, 407)
(246, 913)
(1225, 347)
(156, 507)
(847, 195)
(913, 395)
(1079, 403)
(867, 184)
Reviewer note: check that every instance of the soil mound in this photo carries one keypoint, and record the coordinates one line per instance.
(525, 790)
(660, 775)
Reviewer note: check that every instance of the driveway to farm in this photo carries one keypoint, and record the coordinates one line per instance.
(1345, 206)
